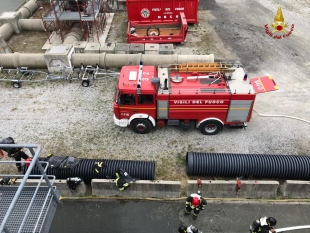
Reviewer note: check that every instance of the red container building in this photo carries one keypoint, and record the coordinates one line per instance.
(153, 11)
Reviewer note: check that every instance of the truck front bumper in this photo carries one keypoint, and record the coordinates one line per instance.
(121, 122)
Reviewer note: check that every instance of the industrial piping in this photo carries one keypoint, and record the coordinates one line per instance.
(106, 61)
(6, 31)
(287, 167)
(143, 170)
(32, 25)
(28, 9)
(74, 35)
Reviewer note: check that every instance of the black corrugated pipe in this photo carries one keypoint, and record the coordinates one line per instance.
(291, 167)
(143, 170)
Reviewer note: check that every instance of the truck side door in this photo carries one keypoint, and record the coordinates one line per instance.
(146, 104)
(128, 105)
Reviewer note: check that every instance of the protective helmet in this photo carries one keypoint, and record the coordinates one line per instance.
(8, 140)
(195, 201)
(182, 229)
(194, 229)
(271, 221)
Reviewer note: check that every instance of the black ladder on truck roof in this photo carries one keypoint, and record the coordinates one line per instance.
(28, 208)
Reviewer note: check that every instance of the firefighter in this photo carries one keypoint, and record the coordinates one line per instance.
(182, 229)
(194, 202)
(98, 166)
(15, 153)
(190, 229)
(263, 225)
(122, 179)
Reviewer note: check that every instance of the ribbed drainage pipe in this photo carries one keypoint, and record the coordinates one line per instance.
(143, 170)
(291, 167)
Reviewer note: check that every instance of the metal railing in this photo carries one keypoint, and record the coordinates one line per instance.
(51, 190)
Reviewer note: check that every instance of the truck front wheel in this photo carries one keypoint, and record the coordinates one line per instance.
(141, 126)
(211, 127)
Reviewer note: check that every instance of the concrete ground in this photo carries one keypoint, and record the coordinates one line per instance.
(11, 5)
(119, 216)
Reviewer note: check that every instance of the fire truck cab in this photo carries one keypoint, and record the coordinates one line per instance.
(202, 95)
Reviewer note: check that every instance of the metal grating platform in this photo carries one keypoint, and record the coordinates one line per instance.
(42, 209)
(28, 208)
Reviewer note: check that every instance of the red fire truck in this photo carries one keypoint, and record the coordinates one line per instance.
(202, 95)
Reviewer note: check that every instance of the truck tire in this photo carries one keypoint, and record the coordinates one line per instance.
(210, 127)
(85, 83)
(141, 126)
(16, 84)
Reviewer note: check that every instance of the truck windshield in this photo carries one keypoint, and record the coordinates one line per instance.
(116, 95)
(127, 99)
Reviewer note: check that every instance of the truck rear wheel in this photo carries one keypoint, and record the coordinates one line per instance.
(141, 126)
(211, 127)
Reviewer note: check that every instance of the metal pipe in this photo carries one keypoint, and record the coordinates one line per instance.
(106, 61)
(31, 203)
(43, 172)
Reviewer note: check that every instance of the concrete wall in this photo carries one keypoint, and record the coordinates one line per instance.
(172, 189)
(258, 189)
(295, 189)
(140, 188)
(213, 188)
(61, 185)
(228, 189)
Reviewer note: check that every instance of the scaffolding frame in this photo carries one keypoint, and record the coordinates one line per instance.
(61, 15)
(22, 215)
